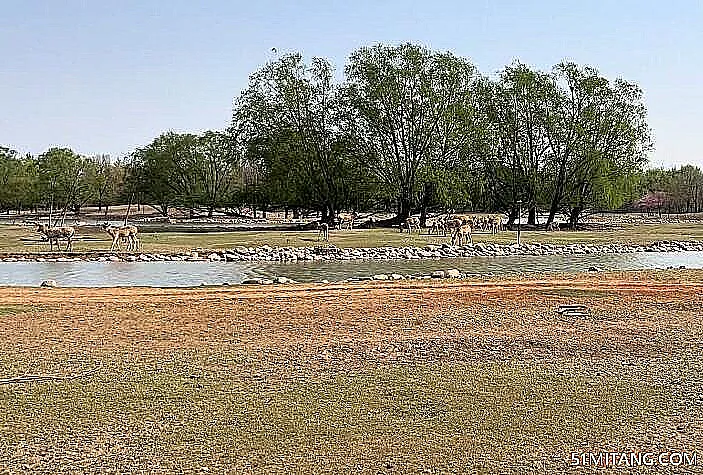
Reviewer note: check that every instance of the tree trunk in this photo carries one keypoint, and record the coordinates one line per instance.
(403, 209)
(574, 216)
(512, 216)
(532, 215)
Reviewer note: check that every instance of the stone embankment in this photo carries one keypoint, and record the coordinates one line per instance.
(289, 254)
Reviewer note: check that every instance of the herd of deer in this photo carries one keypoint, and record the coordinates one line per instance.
(459, 226)
(120, 234)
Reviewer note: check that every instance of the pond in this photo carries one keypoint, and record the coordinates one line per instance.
(187, 274)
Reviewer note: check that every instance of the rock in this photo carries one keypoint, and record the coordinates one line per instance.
(453, 273)
(397, 277)
(282, 280)
(380, 277)
(49, 283)
(325, 281)
(251, 281)
(438, 274)
(214, 257)
(594, 269)
(114, 259)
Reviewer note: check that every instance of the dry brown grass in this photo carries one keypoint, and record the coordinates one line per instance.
(450, 377)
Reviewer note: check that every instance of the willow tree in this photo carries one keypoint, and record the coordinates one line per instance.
(519, 108)
(599, 138)
(409, 109)
(290, 111)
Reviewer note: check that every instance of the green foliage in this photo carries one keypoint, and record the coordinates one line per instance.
(290, 117)
(407, 127)
(410, 109)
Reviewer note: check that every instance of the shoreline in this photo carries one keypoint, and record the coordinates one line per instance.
(333, 253)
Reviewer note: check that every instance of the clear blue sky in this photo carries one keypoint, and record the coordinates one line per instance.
(107, 76)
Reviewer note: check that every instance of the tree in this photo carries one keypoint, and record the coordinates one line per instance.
(289, 115)
(598, 135)
(62, 180)
(215, 168)
(409, 111)
(165, 171)
(519, 105)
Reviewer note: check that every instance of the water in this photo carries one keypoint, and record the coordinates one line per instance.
(186, 274)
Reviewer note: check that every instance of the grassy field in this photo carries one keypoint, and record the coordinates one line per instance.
(25, 239)
(409, 377)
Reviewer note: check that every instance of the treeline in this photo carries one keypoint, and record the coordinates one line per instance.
(59, 180)
(675, 190)
(407, 130)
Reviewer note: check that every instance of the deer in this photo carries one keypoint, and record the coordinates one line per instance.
(346, 219)
(323, 231)
(553, 226)
(129, 233)
(460, 235)
(411, 222)
(56, 233)
(496, 223)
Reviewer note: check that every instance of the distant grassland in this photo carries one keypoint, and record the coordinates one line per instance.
(25, 239)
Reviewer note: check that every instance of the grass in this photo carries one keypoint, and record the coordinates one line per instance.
(13, 309)
(439, 377)
(443, 417)
(25, 239)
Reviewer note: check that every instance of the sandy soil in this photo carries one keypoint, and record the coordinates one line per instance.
(627, 315)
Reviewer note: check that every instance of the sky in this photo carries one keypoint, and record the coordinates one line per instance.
(105, 77)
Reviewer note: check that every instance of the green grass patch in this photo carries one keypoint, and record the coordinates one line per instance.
(15, 309)
(25, 239)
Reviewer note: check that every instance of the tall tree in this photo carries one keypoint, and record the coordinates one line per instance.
(62, 180)
(598, 136)
(519, 106)
(165, 171)
(410, 110)
(290, 112)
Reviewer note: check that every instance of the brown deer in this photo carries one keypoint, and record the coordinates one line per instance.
(346, 220)
(323, 231)
(56, 233)
(460, 235)
(410, 223)
(121, 233)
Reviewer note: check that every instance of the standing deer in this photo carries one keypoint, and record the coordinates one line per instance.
(410, 223)
(323, 231)
(54, 234)
(346, 219)
(129, 233)
(460, 235)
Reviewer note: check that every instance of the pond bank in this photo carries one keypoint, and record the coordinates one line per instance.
(330, 252)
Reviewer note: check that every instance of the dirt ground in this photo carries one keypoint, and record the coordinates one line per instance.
(401, 377)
